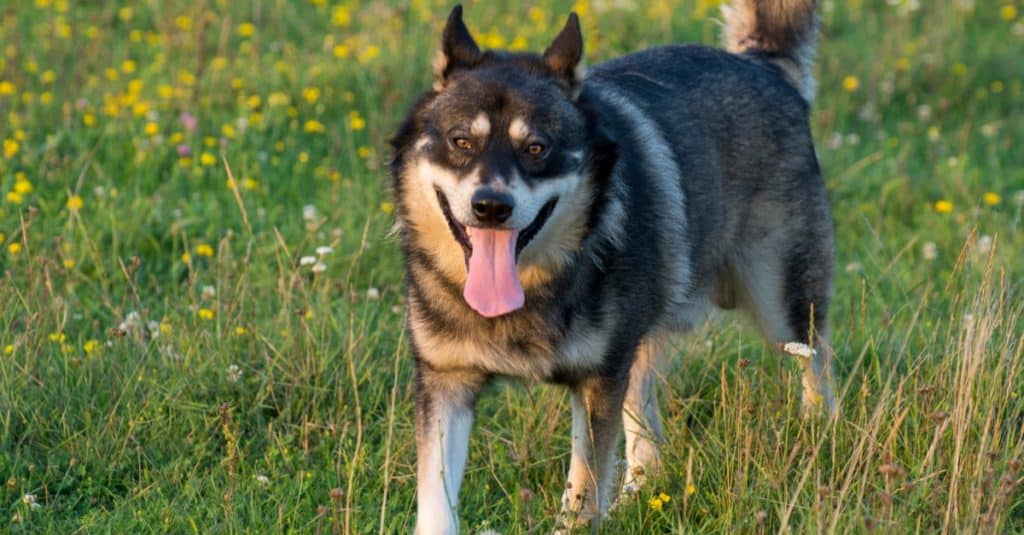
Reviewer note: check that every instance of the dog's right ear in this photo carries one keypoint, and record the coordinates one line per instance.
(458, 49)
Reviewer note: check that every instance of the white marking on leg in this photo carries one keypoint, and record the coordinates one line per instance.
(641, 418)
(440, 471)
(577, 500)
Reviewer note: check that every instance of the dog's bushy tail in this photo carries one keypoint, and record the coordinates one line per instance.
(782, 31)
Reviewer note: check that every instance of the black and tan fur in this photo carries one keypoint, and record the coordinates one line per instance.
(683, 178)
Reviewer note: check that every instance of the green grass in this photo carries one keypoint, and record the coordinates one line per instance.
(135, 427)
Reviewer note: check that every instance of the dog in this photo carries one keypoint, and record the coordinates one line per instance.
(558, 224)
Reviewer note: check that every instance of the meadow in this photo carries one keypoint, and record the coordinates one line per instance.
(201, 315)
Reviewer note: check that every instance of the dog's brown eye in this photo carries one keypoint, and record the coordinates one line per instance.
(535, 149)
(462, 143)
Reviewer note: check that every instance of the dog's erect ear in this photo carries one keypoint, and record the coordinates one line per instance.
(565, 55)
(458, 49)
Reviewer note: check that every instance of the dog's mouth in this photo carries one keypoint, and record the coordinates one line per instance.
(462, 232)
(492, 280)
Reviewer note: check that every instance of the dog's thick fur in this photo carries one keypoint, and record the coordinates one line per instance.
(643, 193)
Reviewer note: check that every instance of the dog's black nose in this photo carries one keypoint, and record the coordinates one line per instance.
(492, 207)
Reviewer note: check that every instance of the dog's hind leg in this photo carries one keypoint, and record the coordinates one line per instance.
(444, 416)
(641, 418)
(786, 288)
(596, 421)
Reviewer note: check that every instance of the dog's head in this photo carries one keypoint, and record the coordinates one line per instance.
(490, 166)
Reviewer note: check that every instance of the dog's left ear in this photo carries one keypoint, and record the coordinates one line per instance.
(565, 55)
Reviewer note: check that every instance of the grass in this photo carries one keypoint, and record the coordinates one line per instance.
(168, 364)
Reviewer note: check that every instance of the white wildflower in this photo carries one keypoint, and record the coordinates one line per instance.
(262, 479)
(209, 292)
(234, 373)
(324, 250)
(373, 293)
(985, 244)
(929, 251)
(307, 261)
(799, 349)
(924, 113)
(309, 212)
(319, 267)
(28, 499)
(853, 267)
(834, 141)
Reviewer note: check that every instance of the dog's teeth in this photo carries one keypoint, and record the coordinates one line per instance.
(469, 231)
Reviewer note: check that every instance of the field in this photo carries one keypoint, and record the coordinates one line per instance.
(201, 321)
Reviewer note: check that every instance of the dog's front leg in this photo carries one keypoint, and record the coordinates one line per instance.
(596, 423)
(444, 416)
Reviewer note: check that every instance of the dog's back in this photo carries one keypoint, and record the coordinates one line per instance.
(732, 126)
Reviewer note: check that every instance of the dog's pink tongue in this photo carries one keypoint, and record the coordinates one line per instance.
(492, 286)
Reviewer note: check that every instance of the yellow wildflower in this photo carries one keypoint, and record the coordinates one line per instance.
(655, 503)
(9, 349)
(74, 203)
(387, 207)
(206, 314)
(311, 94)
(313, 126)
(943, 206)
(355, 121)
(128, 66)
(88, 119)
(204, 249)
(246, 29)
(664, 497)
(90, 346)
(151, 129)
(1008, 12)
(227, 131)
(11, 148)
(69, 263)
(184, 23)
(57, 338)
(21, 183)
(691, 490)
(342, 51)
(241, 331)
(14, 248)
(207, 159)
(125, 14)
(48, 77)
(7, 88)
(850, 84)
(341, 16)
(991, 198)
(369, 53)
(186, 258)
